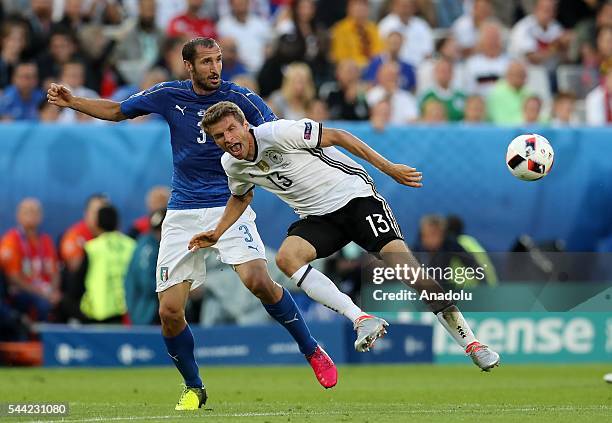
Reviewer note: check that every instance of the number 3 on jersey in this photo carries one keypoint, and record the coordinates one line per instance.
(380, 226)
(201, 139)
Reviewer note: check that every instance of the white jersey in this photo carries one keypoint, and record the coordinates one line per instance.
(290, 163)
(528, 36)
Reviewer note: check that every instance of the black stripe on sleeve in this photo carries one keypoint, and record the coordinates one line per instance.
(247, 191)
(320, 134)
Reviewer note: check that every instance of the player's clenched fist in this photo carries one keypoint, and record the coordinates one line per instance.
(59, 95)
(203, 240)
(406, 175)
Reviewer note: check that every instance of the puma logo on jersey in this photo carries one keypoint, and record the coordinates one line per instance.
(181, 110)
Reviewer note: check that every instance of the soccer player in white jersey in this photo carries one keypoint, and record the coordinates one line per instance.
(335, 199)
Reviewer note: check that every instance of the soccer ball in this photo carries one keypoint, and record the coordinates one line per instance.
(530, 157)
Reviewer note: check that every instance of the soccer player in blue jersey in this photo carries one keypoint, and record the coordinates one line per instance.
(199, 195)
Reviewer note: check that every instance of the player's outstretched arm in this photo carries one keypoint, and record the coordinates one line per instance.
(234, 208)
(98, 108)
(402, 174)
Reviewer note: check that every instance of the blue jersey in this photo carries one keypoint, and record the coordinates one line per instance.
(198, 179)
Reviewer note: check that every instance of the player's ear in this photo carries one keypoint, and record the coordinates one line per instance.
(188, 65)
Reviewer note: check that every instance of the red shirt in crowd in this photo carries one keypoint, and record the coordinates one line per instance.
(73, 241)
(34, 258)
(192, 27)
(142, 225)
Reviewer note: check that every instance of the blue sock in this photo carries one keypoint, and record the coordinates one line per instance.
(287, 313)
(180, 349)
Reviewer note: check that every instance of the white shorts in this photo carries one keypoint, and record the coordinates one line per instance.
(175, 263)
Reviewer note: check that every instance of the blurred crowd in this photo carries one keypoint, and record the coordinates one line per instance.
(94, 273)
(507, 62)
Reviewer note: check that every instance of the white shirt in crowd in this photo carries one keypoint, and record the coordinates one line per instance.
(252, 36)
(464, 31)
(482, 72)
(527, 36)
(288, 163)
(404, 107)
(59, 6)
(418, 37)
(595, 107)
(165, 10)
(425, 76)
(259, 8)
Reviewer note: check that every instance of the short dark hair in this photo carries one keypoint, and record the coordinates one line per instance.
(74, 61)
(534, 97)
(454, 225)
(26, 63)
(439, 44)
(63, 32)
(191, 47)
(13, 21)
(215, 113)
(565, 95)
(108, 218)
(603, 5)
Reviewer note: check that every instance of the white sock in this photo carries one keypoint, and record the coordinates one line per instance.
(324, 291)
(453, 321)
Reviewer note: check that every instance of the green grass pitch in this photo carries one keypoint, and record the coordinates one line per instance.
(402, 393)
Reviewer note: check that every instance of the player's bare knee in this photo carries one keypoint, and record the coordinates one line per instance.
(287, 263)
(259, 283)
(281, 261)
(171, 314)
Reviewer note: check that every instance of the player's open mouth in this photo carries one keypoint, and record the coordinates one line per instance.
(235, 148)
(214, 78)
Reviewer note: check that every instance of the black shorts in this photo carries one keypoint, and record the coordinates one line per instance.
(368, 221)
